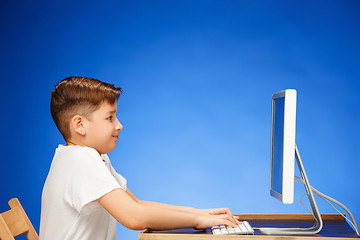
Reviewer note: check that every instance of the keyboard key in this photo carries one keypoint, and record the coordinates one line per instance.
(237, 230)
(223, 231)
(247, 225)
(242, 227)
(216, 231)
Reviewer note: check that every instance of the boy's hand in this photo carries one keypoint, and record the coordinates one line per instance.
(205, 221)
(219, 211)
(223, 214)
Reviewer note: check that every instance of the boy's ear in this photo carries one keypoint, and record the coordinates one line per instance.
(77, 124)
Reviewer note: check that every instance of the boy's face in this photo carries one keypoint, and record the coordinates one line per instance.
(102, 128)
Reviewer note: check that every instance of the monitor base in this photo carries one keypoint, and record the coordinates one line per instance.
(315, 211)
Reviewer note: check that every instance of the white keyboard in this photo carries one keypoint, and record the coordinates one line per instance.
(243, 228)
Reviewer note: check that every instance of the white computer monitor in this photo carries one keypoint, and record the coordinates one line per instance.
(284, 153)
(283, 145)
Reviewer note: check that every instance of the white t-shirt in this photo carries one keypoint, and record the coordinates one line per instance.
(78, 176)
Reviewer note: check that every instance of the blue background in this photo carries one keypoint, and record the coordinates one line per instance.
(198, 78)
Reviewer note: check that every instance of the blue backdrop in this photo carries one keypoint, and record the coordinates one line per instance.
(198, 78)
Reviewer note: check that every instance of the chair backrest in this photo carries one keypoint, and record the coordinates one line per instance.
(15, 222)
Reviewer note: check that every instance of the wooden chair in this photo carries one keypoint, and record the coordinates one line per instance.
(15, 222)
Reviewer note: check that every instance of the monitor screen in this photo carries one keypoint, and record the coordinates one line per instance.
(283, 145)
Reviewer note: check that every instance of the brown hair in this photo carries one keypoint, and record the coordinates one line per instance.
(79, 95)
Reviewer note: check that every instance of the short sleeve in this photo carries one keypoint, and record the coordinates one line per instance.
(120, 179)
(91, 179)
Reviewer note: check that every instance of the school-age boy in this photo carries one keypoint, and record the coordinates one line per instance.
(83, 195)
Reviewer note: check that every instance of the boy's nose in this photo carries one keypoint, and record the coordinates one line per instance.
(118, 125)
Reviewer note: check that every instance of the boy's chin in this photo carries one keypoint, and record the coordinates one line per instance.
(108, 149)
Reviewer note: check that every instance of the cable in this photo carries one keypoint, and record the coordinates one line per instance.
(330, 205)
(327, 198)
(340, 212)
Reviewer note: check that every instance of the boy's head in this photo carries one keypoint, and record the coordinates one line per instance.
(79, 96)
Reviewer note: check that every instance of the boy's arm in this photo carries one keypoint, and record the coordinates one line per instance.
(161, 205)
(215, 211)
(137, 216)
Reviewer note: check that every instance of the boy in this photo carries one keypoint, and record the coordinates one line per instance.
(83, 195)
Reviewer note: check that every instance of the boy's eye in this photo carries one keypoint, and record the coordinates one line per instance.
(110, 118)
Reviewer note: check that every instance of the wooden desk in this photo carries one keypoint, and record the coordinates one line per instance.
(335, 227)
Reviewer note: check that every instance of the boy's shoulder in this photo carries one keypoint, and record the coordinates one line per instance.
(72, 160)
(76, 152)
(76, 149)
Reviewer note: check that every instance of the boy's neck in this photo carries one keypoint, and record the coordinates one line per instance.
(78, 143)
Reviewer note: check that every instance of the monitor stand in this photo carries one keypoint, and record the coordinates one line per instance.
(300, 231)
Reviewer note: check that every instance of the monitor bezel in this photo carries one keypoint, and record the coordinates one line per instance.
(288, 158)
